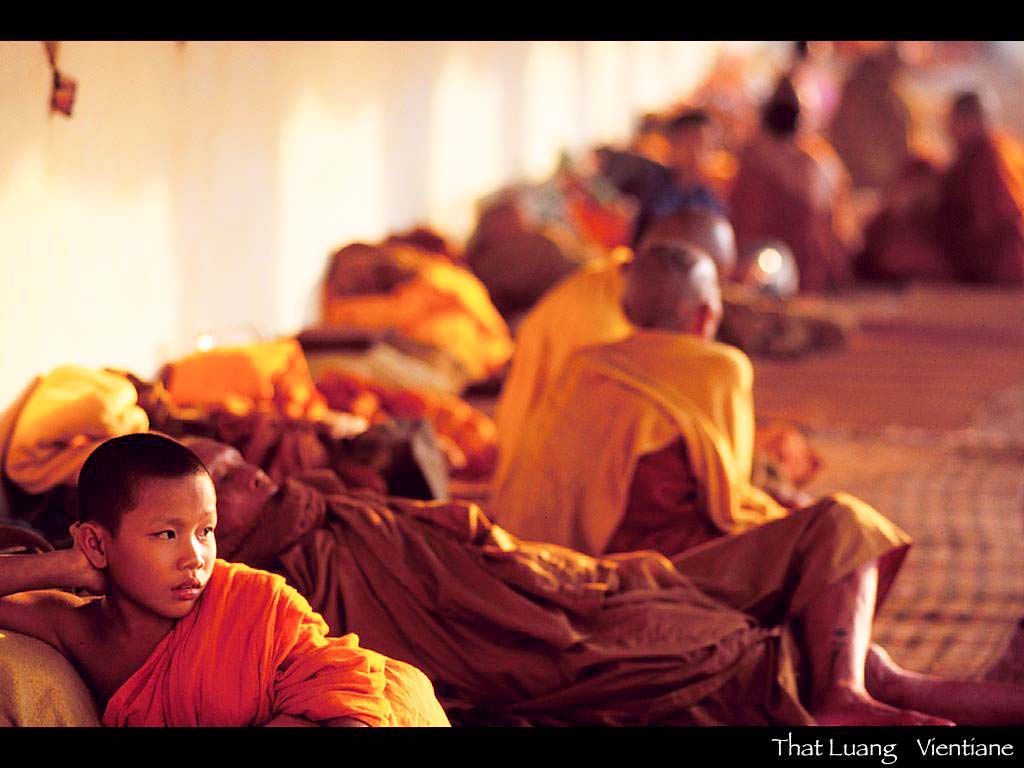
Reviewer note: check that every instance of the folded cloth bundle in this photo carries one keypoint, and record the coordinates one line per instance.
(69, 412)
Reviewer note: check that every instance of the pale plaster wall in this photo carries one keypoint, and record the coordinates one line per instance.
(201, 186)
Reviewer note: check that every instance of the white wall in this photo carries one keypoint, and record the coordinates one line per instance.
(201, 186)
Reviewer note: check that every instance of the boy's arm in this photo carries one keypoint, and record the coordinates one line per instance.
(41, 614)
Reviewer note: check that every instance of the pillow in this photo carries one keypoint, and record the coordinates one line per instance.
(38, 686)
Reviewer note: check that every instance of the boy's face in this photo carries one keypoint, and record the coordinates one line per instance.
(163, 552)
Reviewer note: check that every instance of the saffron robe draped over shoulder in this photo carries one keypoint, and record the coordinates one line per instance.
(569, 480)
(251, 649)
(582, 310)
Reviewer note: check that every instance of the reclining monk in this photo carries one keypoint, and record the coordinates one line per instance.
(585, 309)
(792, 186)
(513, 631)
(175, 635)
(983, 198)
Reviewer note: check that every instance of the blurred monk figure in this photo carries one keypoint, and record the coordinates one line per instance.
(983, 198)
(585, 309)
(871, 127)
(695, 173)
(792, 186)
(903, 242)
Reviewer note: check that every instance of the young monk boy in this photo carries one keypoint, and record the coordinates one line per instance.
(178, 637)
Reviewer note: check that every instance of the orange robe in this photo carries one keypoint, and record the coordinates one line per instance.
(983, 211)
(569, 481)
(796, 192)
(251, 649)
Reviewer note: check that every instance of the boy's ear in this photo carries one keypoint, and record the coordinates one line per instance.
(90, 538)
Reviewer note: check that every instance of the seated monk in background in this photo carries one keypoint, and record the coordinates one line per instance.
(693, 176)
(584, 309)
(871, 126)
(792, 186)
(983, 199)
(518, 632)
(904, 241)
(179, 637)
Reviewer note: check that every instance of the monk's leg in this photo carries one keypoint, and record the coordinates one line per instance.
(968, 702)
(837, 635)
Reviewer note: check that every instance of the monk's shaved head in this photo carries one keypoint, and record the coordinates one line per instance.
(709, 231)
(673, 286)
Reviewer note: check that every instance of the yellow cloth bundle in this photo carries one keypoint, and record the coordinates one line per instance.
(68, 413)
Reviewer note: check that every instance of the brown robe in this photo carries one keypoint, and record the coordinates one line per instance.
(786, 191)
(983, 211)
(518, 632)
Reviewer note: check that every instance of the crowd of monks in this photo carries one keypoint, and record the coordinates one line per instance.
(626, 564)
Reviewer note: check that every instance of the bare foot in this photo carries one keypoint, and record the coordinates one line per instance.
(884, 678)
(844, 705)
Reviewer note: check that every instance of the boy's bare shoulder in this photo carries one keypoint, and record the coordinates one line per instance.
(51, 615)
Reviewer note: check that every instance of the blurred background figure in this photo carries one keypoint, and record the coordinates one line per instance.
(983, 197)
(792, 186)
(871, 126)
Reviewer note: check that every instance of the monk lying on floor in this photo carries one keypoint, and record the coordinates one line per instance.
(179, 637)
(513, 631)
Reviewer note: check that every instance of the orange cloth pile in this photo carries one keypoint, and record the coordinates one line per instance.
(263, 376)
(423, 297)
(467, 436)
(66, 414)
(252, 649)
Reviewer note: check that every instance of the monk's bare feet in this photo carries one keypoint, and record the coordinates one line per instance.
(845, 705)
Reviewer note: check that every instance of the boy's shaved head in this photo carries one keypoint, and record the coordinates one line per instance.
(111, 476)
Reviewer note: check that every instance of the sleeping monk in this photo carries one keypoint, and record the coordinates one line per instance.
(421, 296)
(792, 186)
(983, 198)
(518, 632)
(179, 637)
